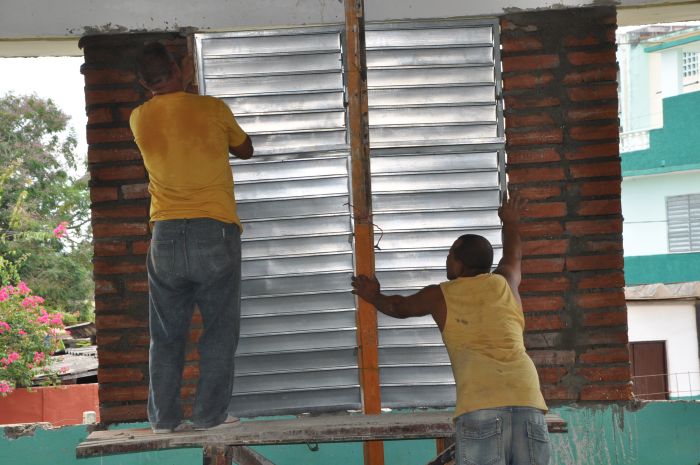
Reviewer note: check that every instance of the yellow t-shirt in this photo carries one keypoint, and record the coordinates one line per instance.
(484, 338)
(184, 140)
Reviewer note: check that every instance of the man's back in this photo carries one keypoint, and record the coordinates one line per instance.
(185, 139)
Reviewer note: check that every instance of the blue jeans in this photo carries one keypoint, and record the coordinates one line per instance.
(502, 436)
(193, 262)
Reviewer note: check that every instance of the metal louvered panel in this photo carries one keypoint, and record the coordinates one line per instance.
(297, 350)
(683, 214)
(436, 131)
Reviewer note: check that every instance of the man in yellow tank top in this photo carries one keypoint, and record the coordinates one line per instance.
(499, 417)
(195, 252)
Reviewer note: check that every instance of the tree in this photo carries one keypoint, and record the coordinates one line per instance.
(40, 189)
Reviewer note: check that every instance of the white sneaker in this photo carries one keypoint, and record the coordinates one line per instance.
(229, 421)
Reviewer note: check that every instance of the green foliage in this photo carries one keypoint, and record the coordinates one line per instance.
(37, 193)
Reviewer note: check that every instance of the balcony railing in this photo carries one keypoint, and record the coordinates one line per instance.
(633, 141)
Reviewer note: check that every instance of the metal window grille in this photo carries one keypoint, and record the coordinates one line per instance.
(690, 64)
(683, 216)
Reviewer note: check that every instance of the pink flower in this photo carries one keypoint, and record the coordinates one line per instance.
(4, 327)
(4, 295)
(60, 230)
(44, 318)
(22, 332)
(22, 288)
(5, 387)
(57, 319)
(39, 357)
(11, 358)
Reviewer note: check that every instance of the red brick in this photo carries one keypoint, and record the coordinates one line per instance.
(543, 265)
(518, 175)
(140, 247)
(606, 392)
(595, 169)
(105, 287)
(102, 267)
(138, 340)
(535, 155)
(600, 281)
(120, 229)
(593, 92)
(527, 81)
(538, 193)
(553, 357)
(135, 191)
(614, 298)
(545, 210)
(103, 135)
(530, 62)
(103, 194)
(599, 336)
(545, 247)
(119, 375)
(190, 372)
(93, 97)
(109, 76)
(595, 262)
(521, 43)
(137, 286)
(103, 249)
(535, 137)
(617, 318)
(591, 38)
(121, 413)
(558, 392)
(606, 355)
(104, 339)
(515, 102)
(604, 373)
(96, 155)
(592, 113)
(124, 113)
(121, 321)
(99, 115)
(599, 207)
(599, 188)
(591, 227)
(551, 375)
(539, 340)
(114, 173)
(121, 211)
(590, 133)
(592, 58)
(541, 229)
(599, 74)
(123, 393)
(552, 303)
(544, 322)
(192, 355)
(593, 151)
(518, 120)
(602, 246)
(122, 357)
(558, 283)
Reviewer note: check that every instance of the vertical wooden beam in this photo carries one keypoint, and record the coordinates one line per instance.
(368, 358)
(218, 455)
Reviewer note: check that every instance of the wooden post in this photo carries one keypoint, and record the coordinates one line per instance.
(218, 455)
(358, 125)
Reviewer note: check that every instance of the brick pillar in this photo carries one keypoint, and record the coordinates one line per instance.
(120, 202)
(560, 89)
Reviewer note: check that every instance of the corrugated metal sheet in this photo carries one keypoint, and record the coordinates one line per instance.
(298, 341)
(683, 214)
(436, 132)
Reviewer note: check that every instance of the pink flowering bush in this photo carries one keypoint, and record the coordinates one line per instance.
(28, 336)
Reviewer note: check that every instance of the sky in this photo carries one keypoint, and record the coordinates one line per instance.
(57, 78)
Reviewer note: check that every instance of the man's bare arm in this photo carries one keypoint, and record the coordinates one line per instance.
(243, 151)
(425, 302)
(510, 265)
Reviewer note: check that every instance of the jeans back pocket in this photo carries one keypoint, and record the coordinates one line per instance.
(538, 442)
(162, 256)
(481, 441)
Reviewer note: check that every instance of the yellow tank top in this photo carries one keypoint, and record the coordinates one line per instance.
(484, 337)
(184, 140)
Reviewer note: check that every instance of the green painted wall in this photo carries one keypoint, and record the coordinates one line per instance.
(676, 146)
(666, 268)
(658, 433)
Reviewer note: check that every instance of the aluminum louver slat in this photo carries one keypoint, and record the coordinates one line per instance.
(683, 222)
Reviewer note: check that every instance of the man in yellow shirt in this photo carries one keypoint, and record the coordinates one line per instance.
(499, 417)
(195, 252)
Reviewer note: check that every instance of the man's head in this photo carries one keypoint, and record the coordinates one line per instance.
(470, 255)
(157, 69)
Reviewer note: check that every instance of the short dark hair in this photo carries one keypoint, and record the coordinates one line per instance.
(475, 252)
(154, 63)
